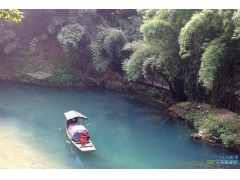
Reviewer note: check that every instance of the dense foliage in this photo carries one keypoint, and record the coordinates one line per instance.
(159, 49)
(208, 39)
(215, 126)
(11, 15)
(7, 36)
(91, 41)
(195, 52)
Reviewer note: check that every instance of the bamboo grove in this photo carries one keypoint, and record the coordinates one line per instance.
(196, 51)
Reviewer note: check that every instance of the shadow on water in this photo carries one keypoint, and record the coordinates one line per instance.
(78, 160)
(83, 160)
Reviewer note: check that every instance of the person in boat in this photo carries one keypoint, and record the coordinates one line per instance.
(74, 120)
(69, 122)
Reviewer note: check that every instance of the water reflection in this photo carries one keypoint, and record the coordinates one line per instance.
(78, 160)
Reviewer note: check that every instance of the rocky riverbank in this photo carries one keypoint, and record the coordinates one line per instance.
(216, 126)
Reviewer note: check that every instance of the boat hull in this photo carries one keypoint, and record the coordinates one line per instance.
(88, 147)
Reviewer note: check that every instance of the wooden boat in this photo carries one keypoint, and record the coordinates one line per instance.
(77, 132)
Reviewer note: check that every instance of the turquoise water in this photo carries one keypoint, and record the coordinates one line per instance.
(128, 131)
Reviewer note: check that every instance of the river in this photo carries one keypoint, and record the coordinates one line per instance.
(129, 132)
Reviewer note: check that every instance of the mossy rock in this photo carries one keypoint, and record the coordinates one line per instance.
(196, 136)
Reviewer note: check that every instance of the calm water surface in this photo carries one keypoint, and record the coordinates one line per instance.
(129, 132)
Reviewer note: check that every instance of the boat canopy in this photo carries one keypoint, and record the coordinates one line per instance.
(73, 114)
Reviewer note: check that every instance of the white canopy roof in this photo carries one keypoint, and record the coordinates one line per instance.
(73, 114)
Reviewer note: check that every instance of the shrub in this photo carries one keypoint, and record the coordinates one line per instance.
(63, 77)
(141, 88)
(224, 130)
(153, 92)
(195, 118)
(230, 141)
(111, 87)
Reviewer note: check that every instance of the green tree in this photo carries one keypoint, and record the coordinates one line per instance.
(87, 36)
(12, 15)
(133, 66)
(206, 41)
(106, 47)
(160, 31)
(69, 37)
(8, 37)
